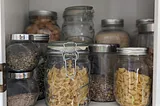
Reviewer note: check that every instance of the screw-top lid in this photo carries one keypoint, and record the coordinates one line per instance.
(103, 48)
(146, 28)
(132, 51)
(112, 22)
(23, 75)
(40, 37)
(52, 14)
(20, 37)
(79, 10)
(144, 21)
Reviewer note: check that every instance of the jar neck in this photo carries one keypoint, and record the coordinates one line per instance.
(112, 28)
(132, 57)
(77, 18)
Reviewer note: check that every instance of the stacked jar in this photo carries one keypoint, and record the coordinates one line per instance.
(78, 24)
(103, 58)
(44, 22)
(112, 33)
(22, 58)
(67, 75)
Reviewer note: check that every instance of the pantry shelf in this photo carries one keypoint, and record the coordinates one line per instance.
(42, 103)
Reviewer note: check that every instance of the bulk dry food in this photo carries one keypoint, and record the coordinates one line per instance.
(27, 99)
(64, 91)
(101, 89)
(132, 89)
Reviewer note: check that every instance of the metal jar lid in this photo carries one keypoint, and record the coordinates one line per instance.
(52, 14)
(146, 28)
(78, 10)
(132, 51)
(23, 75)
(103, 48)
(40, 37)
(112, 22)
(144, 21)
(20, 37)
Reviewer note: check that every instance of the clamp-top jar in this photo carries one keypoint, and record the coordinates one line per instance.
(44, 22)
(67, 75)
(78, 24)
(22, 54)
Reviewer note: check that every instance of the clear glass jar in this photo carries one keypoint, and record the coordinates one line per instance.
(22, 89)
(78, 24)
(67, 76)
(41, 40)
(132, 78)
(112, 33)
(22, 54)
(103, 58)
(44, 22)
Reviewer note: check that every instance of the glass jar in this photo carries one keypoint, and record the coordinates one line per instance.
(112, 33)
(78, 24)
(67, 76)
(41, 40)
(103, 58)
(44, 22)
(132, 79)
(22, 54)
(22, 89)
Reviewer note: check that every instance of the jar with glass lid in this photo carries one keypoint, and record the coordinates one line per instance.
(102, 58)
(78, 24)
(22, 54)
(41, 40)
(132, 84)
(112, 33)
(44, 22)
(67, 75)
(22, 89)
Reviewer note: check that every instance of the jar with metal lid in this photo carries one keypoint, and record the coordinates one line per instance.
(78, 24)
(22, 89)
(103, 58)
(67, 75)
(132, 84)
(112, 33)
(44, 22)
(41, 40)
(22, 54)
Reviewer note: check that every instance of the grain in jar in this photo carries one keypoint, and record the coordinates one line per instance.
(112, 33)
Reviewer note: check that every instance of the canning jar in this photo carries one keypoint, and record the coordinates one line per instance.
(103, 58)
(67, 76)
(44, 22)
(22, 89)
(22, 54)
(132, 79)
(41, 40)
(112, 33)
(78, 24)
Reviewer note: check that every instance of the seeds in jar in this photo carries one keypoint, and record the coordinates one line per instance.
(27, 99)
(132, 89)
(101, 89)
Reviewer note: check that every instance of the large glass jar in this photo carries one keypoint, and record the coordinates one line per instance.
(132, 78)
(44, 22)
(112, 33)
(103, 58)
(41, 40)
(22, 89)
(67, 76)
(22, 54)
(78, 24)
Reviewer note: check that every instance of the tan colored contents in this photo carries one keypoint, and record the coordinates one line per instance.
(64, 91)
(132, 89)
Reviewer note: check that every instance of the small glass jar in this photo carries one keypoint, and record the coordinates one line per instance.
(44, 22)
(103, 58)
(78, 24)
(41, 40)
(132, 78)
(22, 89)
(112, 33)
(22, 54)
(67, 75)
